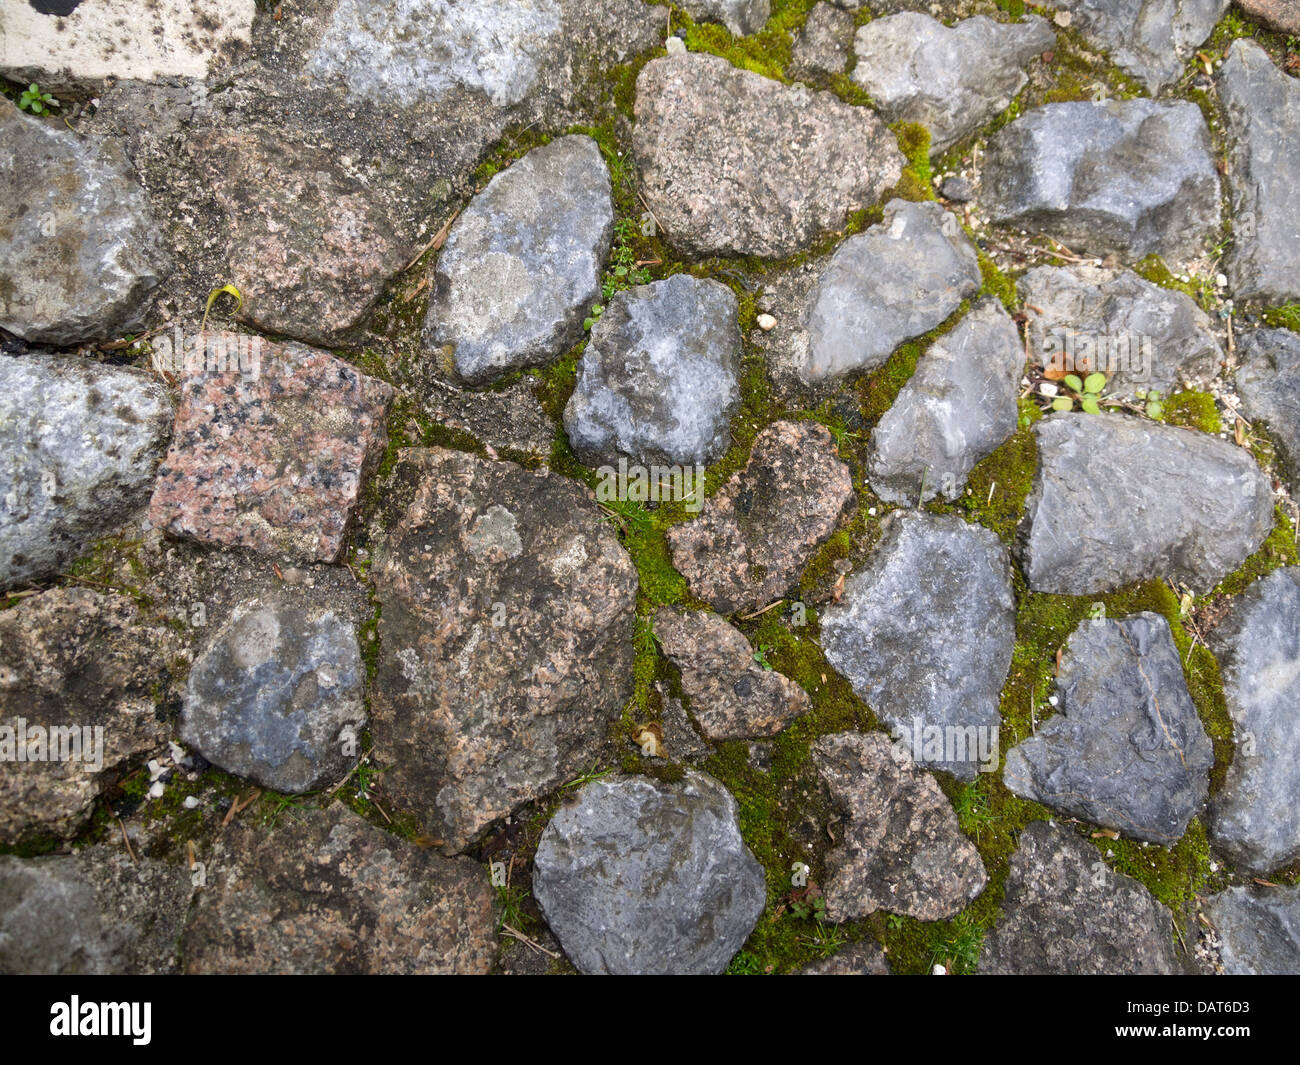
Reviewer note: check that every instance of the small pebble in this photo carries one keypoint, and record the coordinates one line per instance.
(191, 802)
(766, 322)
(156, 790)
(675, 46)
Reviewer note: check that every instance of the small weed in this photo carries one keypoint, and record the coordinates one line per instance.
(35, 101)
(1085, 392)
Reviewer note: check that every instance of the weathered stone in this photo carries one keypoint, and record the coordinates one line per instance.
(757, 533)
(1269, 386)
(278, 696)
(733, 163)
(522, 264)
(1172, 503)
(79, 443)
(957, 189)
(957, 407)
(1254, 817)
(508, 417)
(731, 695)
(97, 912)
(1066, 912)
(924, 634)
(861, 959)
(659, 379)
(1150, 39)
(641, 877)
(1281, 15)
(78, 673)
(1259, 930)
(272, 442)
(1084, 319)
(80, 249)
(953, 79)
(325, 892)
(893, 282)
(1262, 106)
(1125, 749)
(507, 615)
(902, 850)
(1126, 176)
(63, 43)
(822, 46)
(739, 16)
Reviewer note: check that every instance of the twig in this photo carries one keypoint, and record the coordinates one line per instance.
(513, 932)
(439, 239)
(756, 613)
(126, 839)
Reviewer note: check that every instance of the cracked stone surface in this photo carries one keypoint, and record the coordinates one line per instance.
(1259, 928)
(1268, 383)
(1150, 39)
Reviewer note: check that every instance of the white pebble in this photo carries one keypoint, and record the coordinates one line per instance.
(938, 970)
(1048, 389)
(675, 46)
(156, 790)
(766, 322)
(191, 802)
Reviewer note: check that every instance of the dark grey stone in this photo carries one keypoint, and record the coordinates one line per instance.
(1259, 930)
(1268, 383)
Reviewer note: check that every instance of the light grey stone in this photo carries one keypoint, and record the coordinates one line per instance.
(641, 877)
(958, 406)
(1118, 498)
(522, 265)
(1150, 39)
(1269, 386)
(1259, 930)
(822, 46)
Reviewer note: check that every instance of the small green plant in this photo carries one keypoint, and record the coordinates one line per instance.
(959, 950)
(760, 656)
(35, 101)
(809, 908)
(512, 907)
(597, 309)
(1153, 403)
(623, 270)
(1085, 392)
(973, 814)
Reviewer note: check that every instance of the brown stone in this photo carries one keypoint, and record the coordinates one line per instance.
(1281, 15)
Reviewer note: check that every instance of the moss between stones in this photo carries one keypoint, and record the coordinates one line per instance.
(1285, 317)
(1193, 410)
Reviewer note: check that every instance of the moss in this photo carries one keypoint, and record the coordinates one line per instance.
(999, 485)
(766, 52)
(1277, 550)
(1153, 269)
(995, 283)
(877, 392)
(1285, 317)
(1193, 410)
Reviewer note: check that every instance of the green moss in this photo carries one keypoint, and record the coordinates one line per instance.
(995, 283)
(1277, 550)
(1200, 289)
(766, 52)
(1285, 317)
(1193, 410)
(998, 486)
(877, 392)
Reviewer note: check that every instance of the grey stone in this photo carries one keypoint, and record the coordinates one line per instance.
(902, 850)
(507, 609)
(1253, 818)
(1084, 319)
(953, 79)
(1269, 386)
(786, 166)
(1262, 107)
(522, 264)
(1259, 929)
(1125, 176)
(278, 696)
(754, 537)
(731, 695)
(924, 634)
(957, 407)
(957, 189)
(895, 281)
(739, 16)
(324, 892)
(641, 877)
(660, 378)
(861, 959)
(822, 46)
(81, 254)
(97, 912)
(79, 444)
(1150, 39)
(1172, 503)
(1066, 912)
(1125, 749)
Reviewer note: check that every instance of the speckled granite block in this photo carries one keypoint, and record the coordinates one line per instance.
(270, 451)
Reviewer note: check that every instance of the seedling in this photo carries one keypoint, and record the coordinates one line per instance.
(1086, 392)
(35, 101)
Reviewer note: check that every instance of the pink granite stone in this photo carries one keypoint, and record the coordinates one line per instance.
(271, 445)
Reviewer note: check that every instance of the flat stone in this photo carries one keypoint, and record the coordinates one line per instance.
(1269, 386)
(522, 264)
(1174, 503)
(63, 43)
(277, 696)
(660, 378)
(79, 443)
(270, 448)
(902, 850)
(81, 250)
(1150, 39)
(894, 281)
(86, 664)
(821, 48)
(96, 912)
(1125, 176)
(1064, 911)
(731, 695)
(1281, 15)
(952, 79)
(1253, 818)
(924, 634)
(1086, 319)
(861, 959)
(1262, 108)
(957, 408)
(642, 877)
(1259, 928)
(957, 189)
(505, 634)
(1125, 749)
(786, 166)
(739, 16)
(754, 537)
(325, 892)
